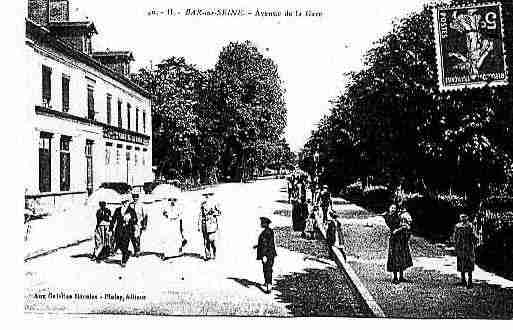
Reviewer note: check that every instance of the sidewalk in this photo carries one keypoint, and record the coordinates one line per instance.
(431, 290)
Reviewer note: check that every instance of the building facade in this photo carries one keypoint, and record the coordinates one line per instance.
(88, 124)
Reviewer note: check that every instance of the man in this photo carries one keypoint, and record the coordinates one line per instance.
(102, 233)
(124, 219)
(266, 252)
(208, 223)
(326, 203)
(142, 220)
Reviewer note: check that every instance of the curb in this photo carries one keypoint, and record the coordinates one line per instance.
(360, 288)
(47, 252)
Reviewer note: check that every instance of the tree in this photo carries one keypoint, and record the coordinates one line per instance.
(391, 121)
(246, 91)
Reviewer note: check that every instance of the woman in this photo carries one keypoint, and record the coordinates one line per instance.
(173, 239)
(465, 244)
(399, 256)
(101, 233)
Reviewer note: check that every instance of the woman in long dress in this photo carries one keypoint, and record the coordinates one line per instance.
(465, 245)
(172, 231)
(399, 256)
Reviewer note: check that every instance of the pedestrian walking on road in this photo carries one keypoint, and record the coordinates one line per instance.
(399, 256)
(326, 203)
(102, 233)
(142, 219)
(208, 223)
(124, 218)
(465, 239)
(173, 229)
(334, 236)
(266, 252)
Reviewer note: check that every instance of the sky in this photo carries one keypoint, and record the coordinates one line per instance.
(312, 53)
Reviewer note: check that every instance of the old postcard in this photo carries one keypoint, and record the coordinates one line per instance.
(268, 159)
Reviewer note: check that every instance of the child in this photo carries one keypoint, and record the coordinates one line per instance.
(334, 235)
(465, 244)
(310, 226)
(266, 252)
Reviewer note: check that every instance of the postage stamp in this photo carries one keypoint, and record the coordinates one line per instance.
(469, 46)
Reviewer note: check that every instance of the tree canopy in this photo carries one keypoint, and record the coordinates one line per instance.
(223, 122)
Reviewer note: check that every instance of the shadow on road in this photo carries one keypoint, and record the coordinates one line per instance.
(82, 255)
(247, 283)
(316, 293)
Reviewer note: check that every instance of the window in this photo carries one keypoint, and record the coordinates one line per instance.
(65, 93)
(108, 147)
(144, 121)
(136, 152)
(47, 85)
(120, 120)
(144, 156)
(89, 165)
(137, 119)
(118, 153)
(45, 162)
(128, 107)
(65, 163)
(109, 109)
(90, 102)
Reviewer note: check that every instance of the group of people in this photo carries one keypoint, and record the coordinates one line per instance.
(305, 208)
(116, 231)
(126, 225)
(399, 259)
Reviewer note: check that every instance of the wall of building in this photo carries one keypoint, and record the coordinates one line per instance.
(81, 76)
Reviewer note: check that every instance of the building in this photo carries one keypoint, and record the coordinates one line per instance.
(88, 123)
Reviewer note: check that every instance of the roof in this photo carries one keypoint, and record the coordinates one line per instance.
(85, 25)
(114, 53)
(39, 34)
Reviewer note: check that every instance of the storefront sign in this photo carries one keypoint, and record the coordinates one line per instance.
(469, 46)
(114, 134)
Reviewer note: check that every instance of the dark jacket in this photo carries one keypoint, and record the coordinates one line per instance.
(265, 245)
(122, 229)
(103, 215)
(334, 229)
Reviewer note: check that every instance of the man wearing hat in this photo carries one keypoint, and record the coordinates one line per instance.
(208, 223)
(140, 225)
(124, 219)
(266, 252)
(326, 203)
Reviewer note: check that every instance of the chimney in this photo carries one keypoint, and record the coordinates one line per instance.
(45, 11)
(58, 11)
(38, 11)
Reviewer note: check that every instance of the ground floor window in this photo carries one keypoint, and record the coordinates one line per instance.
(89, 166)
(108, 147)
(65, 163)
(45, 162)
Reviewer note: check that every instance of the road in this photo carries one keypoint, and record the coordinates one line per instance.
(307, 283)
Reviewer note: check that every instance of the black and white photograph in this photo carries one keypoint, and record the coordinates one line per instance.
(266, 159)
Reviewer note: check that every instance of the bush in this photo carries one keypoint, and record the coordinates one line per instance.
(377, 198)
(435, 217)
(353, 192)
(495, 228)
(119, 187)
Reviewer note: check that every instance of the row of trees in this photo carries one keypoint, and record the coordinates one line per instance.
(392, 123)
(222, 123)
